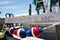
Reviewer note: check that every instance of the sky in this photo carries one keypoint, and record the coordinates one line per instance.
(16, 7)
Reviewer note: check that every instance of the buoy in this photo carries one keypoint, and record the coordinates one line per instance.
(18, 33)
(35, 31)
(11, 30)
(40, 29)
(28, 33)
(15, 32)
(21, 33)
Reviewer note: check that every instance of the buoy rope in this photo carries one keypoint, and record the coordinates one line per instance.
(51, 26)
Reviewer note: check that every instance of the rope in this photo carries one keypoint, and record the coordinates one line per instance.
(51, 26)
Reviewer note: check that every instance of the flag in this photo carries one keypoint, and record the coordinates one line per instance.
(59, 3)
(38, 4)
(54, 2)
(34, 2)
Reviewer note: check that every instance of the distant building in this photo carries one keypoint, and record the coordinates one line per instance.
(2, 22)
(43, 18)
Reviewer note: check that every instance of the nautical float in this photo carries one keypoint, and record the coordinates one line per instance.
(35, 31)
(15, 32)
(11, 29)
(22, 33)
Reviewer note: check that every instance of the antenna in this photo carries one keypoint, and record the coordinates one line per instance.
(30, 9)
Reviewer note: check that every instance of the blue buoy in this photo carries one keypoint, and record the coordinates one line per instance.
(11, 30)
(22, 33)
(28, 33)
(41, 29)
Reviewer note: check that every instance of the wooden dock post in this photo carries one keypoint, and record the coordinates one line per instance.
(57, 32)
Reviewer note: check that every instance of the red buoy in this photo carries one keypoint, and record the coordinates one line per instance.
(15, 32)
(35, 32)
